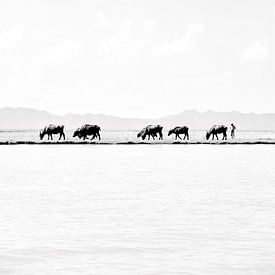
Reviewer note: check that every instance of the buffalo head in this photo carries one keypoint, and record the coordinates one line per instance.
(76, 133)
(41, 135)
(170, 132)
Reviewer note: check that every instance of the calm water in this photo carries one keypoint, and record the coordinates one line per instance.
(137, 209)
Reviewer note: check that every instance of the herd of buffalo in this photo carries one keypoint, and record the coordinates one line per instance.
(153, 131)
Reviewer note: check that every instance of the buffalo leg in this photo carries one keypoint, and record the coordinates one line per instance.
(98, 134)
(61, 135)
(179, 137)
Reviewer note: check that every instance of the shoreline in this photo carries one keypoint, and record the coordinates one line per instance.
(194, 142)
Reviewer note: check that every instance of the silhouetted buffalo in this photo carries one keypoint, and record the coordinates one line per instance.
(151, 130)
(88, 130)
(143, 134)
(215, 130)
(51, 130)
(178, 131)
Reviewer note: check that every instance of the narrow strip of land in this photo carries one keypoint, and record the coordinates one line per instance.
(194, 142)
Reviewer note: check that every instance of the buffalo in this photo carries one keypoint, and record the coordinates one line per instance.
(151, 131)
(178, 131)
(51, 130)
(215, 130)
(87, 130)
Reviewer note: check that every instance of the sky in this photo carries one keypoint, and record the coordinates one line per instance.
(137, 58)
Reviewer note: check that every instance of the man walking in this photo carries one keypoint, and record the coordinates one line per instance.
(233, 128)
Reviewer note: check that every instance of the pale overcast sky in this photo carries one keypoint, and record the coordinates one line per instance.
(142, 58)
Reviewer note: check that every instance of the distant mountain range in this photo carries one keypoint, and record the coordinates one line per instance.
(24, 118)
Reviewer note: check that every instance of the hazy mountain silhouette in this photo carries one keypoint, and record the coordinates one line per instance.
(25, 118)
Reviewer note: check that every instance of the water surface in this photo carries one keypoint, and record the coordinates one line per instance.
(129, 209)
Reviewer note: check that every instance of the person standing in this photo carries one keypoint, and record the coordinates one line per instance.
(233, 128)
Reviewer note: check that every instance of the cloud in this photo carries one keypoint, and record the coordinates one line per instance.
(220, 79)
(179, 45)
(149, 25)
(257, 51)
(130, 40)
(124, 43)
(102, 20)
(10, 38)
(61, 53)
